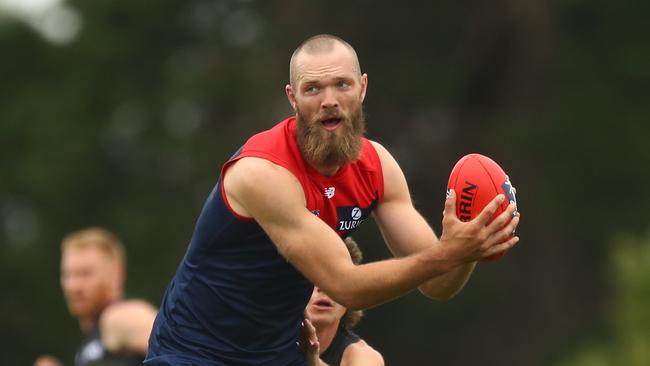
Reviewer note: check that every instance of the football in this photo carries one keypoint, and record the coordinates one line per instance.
(477, 179)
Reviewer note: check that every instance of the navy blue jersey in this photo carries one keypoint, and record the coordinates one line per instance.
(333, 355)
(234, 299)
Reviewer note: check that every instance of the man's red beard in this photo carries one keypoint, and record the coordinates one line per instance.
(321, 147)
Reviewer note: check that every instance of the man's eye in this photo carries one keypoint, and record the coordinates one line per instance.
(343, 84)
(311, 89)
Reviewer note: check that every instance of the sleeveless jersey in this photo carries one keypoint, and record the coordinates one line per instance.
(334, 353)
(93, 353)
(234, 299)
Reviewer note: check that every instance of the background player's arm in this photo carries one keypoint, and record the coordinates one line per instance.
(406, 231)
(273, 196)
(126, 326)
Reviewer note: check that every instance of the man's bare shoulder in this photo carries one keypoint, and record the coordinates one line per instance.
(248, 172)
(395, 185)
(361, 354)
(253, 185)
(388, 162)
(381, 150)
(128, 309)
(125, 325)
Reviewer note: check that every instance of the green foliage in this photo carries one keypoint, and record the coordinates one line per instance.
(628, 340)
(127, 126)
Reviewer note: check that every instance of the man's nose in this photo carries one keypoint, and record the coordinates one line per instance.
(330, 99)
(72, 283)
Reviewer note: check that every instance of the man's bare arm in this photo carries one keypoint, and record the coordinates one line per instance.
(406, 231)
(126, 326)
(320, 254)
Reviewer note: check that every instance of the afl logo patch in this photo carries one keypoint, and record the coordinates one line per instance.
(509, 190)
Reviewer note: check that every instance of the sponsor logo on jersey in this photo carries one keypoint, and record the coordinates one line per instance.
(329, 192)
(356, 213)
(351, 217)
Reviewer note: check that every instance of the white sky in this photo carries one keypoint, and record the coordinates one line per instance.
(52, 19)
(27, 7)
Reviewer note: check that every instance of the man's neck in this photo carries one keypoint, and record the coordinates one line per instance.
(327, 171)
(90, 322)
(87, 324)
(326, 334)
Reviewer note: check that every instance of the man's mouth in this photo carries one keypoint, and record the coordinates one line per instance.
(323, 304)
(331, 123)
(76, 300)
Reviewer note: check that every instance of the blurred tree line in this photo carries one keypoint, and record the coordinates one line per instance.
(124, 121)
(629, 318)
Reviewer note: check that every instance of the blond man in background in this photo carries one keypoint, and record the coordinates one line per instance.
(93, 271)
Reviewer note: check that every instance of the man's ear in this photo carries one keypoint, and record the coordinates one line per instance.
(364, 86)
(290, 96)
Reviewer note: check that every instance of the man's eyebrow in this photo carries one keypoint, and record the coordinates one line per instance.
(319, 81)
(310, 82)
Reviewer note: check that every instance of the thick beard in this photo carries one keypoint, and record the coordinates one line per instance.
(323, 148)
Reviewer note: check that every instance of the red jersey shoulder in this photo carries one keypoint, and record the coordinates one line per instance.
(369, 158)
(274, 145)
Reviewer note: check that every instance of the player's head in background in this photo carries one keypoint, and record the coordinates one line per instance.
(326, 90)
(92, 272)
(323, 311)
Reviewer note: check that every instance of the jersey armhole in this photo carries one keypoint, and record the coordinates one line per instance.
(222, 192)
(380, 170)
(252, 154)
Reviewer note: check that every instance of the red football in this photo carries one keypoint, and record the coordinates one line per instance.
(477, 179)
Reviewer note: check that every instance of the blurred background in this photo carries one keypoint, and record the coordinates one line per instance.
(120, 114)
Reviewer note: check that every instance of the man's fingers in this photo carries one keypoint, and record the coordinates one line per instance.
(484, 217)
(450, 204)
(314, 345)
(310, 326)
(496, 249)
(508, 230)
(503, 218)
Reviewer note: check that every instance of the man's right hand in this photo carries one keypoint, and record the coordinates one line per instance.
(478, 239)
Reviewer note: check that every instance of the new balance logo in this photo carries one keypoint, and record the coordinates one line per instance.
(329, 192)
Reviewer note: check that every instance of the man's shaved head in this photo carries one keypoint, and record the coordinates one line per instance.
(322, 43)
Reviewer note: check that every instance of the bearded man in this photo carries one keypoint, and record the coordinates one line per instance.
(274, 224)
